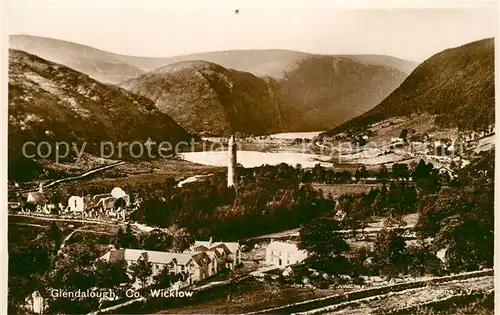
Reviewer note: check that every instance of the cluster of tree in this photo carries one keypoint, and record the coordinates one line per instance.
(267, 199)
(395, 200)
(458, 218)
(273, 198)
(175, 240)
(390, 257)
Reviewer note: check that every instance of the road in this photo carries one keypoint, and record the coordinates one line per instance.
(436, 288)
(408, 298)
(67, 239)
(99, 169)
(55, 182)
(40, 217)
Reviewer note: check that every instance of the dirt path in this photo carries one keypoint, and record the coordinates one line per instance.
(44, 218)
(55, 182)
(67, 239)
(102, 168)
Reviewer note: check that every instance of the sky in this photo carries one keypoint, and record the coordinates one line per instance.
(154, 28)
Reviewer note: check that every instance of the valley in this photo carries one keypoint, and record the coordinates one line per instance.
(264, 181)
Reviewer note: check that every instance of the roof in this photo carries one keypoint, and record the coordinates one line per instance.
(36, 197)
(213, 254)
(232, 246)
(201, 259)
(117, 255)
(200, 248)
(99, 196)
(217, 253)
(153, 256)
(222, 248)
(283, 247)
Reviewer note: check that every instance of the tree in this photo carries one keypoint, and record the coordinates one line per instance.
(461, 220)
(142, 270)
(157, 240)
(127, 239)
(389, 249)
(361, 173)
(423, 260)
(383, 173)
(321, 239)
(165, 278)
(120, 203)
(404, 134)
(110, 275)
(400, 171)
(182, 240)
(54, 233)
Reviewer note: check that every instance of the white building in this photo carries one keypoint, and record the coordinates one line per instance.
(76, 204)
(284, 254)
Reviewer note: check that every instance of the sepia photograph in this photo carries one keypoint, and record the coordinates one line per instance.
(250, 157)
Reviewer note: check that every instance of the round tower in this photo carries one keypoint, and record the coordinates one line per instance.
(232, 160)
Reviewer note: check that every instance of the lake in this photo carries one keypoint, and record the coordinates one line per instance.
(255, 158)
(295, 135)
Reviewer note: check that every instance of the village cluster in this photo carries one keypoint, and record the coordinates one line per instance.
(205, 259)
(115, 204)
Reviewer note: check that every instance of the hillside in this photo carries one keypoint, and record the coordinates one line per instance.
(50, 102)
(207, 98)
(100, 65)
(316, 93)
(457, 85)
(265, 62)
(115, 68)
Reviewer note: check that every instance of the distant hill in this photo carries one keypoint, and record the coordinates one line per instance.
(50, 102)
(101, 65)
(274, 90)
(317, 93)
(207, 98)
(457, 85)
(115, 68)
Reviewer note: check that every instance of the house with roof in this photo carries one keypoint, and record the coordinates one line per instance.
(36, 198)
(106, 203)
(195, 266)
(230, 251)
(284, 254)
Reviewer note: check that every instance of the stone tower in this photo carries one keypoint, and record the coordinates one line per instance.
(231, 166)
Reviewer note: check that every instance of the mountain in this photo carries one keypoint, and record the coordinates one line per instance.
(317, 93)
(272, 90)
(456, 85)
(115, 68)
(50, 102)
(207, 98)
(101, 65)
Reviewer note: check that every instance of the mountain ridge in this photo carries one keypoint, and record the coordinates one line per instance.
(51, 102)
(261, 62)
(319, 92)
(457, 85)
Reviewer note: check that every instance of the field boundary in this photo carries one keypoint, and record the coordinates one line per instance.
(309, 305)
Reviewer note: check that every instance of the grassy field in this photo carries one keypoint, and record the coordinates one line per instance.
(23, 230)
(137, 174)
(467, 305)
(251, 295)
